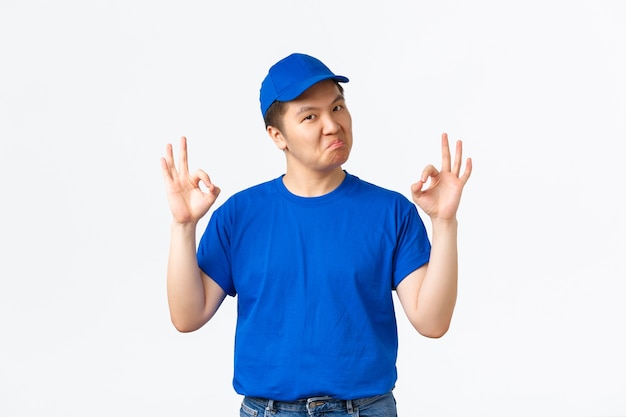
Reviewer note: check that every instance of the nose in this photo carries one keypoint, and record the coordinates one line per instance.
(330, 125)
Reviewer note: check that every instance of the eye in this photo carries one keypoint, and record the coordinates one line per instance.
(338, 107)
(309, 117)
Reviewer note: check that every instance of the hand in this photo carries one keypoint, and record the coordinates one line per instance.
(442, 197)
(187, 201)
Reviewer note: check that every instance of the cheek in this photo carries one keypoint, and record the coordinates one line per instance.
(347, 128)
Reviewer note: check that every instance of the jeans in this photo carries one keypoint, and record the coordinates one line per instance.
(378, 406)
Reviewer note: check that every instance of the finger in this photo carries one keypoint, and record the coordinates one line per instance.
(468, 171)
(167, 162)
(416, 188)
(429, 171)
(165, 170)
(182, 158)
(214, 189)
(445, 153)
(458, 158)
(169, 155)
(204, 177)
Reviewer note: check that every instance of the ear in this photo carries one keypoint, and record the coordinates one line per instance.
(277, 137)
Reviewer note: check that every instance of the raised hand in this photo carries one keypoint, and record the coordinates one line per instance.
(187, 200)
(442, 197)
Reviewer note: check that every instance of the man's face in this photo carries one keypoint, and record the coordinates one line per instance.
(316, 130)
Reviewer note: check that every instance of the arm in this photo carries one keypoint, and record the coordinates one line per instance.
(428, 295)
(193, 297)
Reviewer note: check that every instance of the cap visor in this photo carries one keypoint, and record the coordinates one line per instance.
(296, 90)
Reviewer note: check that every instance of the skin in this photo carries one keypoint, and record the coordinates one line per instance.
(192, 296)
(316, 138)
(428, 295)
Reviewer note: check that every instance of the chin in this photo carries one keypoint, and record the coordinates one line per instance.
(341, 159)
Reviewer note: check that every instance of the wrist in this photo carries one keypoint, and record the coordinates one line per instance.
(444, 224)
(184, 227)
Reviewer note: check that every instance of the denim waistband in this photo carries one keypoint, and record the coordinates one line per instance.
(314, 404)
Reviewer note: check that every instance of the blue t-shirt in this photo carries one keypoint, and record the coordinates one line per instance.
(314, 279)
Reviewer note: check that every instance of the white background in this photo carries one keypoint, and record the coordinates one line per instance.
(91, 92)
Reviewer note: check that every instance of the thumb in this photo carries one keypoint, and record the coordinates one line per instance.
(417, 190)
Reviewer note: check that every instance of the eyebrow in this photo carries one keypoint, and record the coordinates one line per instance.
(307, 108)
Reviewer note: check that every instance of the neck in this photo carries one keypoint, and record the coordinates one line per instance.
(313, 184)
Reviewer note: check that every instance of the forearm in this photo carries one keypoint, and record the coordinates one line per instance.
(438, 292)
(185, 289)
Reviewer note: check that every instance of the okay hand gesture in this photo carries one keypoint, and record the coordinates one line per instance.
(187, 200)
(442, 197)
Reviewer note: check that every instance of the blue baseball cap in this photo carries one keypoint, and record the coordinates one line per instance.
(291, 76)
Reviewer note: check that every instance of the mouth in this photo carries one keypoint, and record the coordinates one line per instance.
(336, 144)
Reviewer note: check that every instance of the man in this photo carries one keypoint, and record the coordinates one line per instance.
(313, 257)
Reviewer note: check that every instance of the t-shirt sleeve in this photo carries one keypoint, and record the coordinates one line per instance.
(413, 248)
(214, 252)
